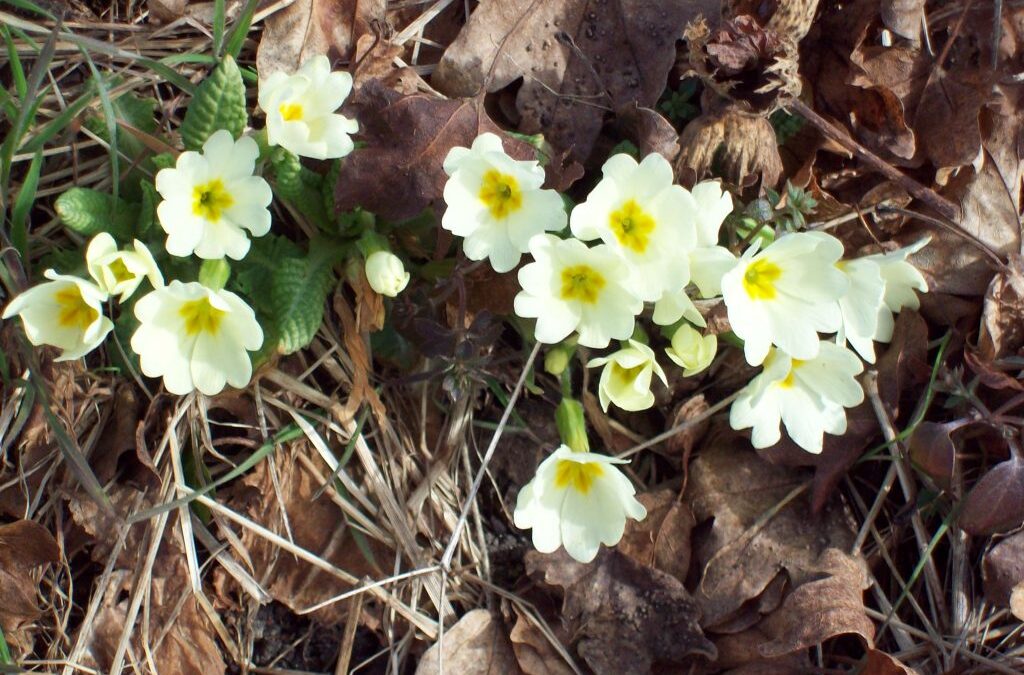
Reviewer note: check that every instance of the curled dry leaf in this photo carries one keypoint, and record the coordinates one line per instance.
(478, 644)
(576, 59)
(534, 652)
(1003, 569)
(627, 616)
(24, 546)
(1002, 319)
(761, 538)
(996, 502)
(662, 539)
(317, 525)
(306, 28)
(649, 131)
(903, 17)
(399, 172)
(932, 450)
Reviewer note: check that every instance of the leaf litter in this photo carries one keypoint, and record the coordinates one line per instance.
(747, 562)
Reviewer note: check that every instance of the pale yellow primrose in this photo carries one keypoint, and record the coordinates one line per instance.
(120, 271)
(578, 500)
(65, 312)
(570, 287)
(808, 397)
(626, 378)
(196, 338)
(211, 199)
(639, 213)
(496, 203)
(785, 295)
(301, 107)
(386, 273)
(692, 351)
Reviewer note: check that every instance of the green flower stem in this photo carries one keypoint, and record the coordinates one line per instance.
(214, 274)
(572, 424)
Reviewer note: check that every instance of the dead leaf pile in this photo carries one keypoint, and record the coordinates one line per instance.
(25, 546)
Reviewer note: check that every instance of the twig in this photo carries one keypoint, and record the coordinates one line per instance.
(942, 205)
(682, 426)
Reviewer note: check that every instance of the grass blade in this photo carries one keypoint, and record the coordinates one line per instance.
(23, 204)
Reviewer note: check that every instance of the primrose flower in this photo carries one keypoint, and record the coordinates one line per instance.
(65, 312)
(709, 261)
(496, 203)
(571, 287)
(626, 378)
(692, 351)
(638, 212)
(386, 273)
(785, 294)
(901, 278)
(120, 271)
(301, 107)
(578, 500)
(863, 308)
(676, 305)
(808, 397)
(195, 337)
(211, 199)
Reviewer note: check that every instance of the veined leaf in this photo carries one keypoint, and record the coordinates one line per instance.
(297, 294)
(219, 103)
(90, 212)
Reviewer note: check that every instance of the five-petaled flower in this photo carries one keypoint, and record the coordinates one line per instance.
(120, 272)
(640, 213)
(626, 378)
(195, 337)
(571, 287)
(211, 198)
(65, 312)
(496, 203)
(785, 295)
(578, 500)
(808, 397)
(301, 107)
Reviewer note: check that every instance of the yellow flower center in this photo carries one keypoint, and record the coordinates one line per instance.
(291, 111)
(581, 282)
(501, 194)
(626, 375)
(759, 280)
(74, 311)
(209, 200)
(578, 476)
(120, 271)
(201, 317)
(632, 226)
(789, 381)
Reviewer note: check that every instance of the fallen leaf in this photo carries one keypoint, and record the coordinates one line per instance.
(932, 450)
(576, 59)
(1017, 601)
(317, 525)
(308, 28)
(627, 616)
(175, 630)
(757, 539)
(903, 17)
(478, 644)
(24, 546)
(678, 448)
(534, 653)
(1002, 318)
(649, 131)
(662, 539)
(399, 171)
(952, 99)
(996, 502)
(1003, 569)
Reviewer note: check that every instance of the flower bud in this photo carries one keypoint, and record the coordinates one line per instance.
(386, 273)
(692, 351)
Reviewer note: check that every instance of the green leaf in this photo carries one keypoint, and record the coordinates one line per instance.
(219, 103)
(89, 212)
(253, 274)
(22, 205)
(241, 29)
(147, 211)
(301, 188)
(298, 291)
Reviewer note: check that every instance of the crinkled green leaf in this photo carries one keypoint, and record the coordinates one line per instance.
(89, 212)
(300, 187)
(298, 291)
(252, 276)
(219, 103)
